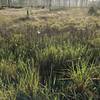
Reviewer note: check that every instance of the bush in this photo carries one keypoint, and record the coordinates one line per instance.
(92, 11)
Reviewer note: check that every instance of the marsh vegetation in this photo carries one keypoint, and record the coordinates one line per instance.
(51, 56)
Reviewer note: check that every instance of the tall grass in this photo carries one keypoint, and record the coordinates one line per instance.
(49, 62)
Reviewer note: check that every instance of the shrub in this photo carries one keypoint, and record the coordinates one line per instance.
(92, 11)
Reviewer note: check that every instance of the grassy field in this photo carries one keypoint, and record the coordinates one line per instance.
(53, 55)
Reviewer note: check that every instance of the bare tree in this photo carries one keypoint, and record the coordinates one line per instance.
(76, 1)
(9, 3)
(50, 1)
(69, 3)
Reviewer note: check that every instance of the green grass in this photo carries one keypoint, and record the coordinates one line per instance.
(57, 60)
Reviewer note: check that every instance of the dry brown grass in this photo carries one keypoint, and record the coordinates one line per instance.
(76, 14)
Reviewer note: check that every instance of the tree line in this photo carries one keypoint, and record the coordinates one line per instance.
(48, 3)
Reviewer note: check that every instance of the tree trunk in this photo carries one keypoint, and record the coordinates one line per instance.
(50, 4)
(69, 4)
(9, 3)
